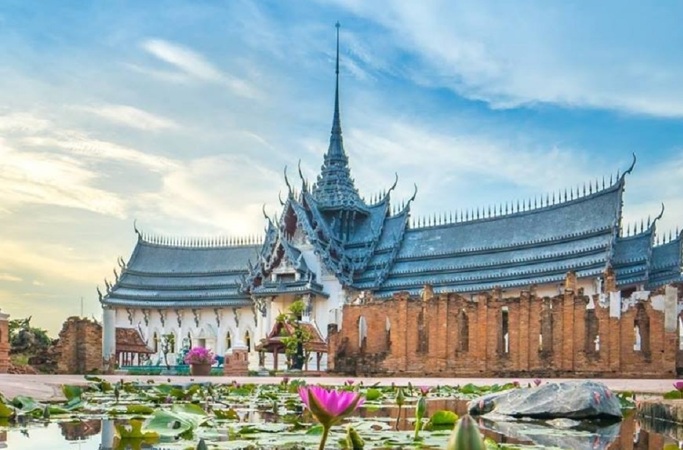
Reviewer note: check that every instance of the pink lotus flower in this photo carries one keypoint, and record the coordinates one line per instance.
(537, 381)
(424, 390)
(678, 385)
(329, 406)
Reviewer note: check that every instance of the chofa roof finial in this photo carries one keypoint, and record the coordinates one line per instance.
(633, 164)
(287, 182)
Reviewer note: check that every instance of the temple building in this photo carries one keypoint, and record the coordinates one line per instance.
(330, 246)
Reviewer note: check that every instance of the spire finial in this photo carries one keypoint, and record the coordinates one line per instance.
(337, 25)
(336, 124)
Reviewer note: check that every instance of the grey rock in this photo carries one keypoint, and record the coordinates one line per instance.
(583, 436)
(569, 400)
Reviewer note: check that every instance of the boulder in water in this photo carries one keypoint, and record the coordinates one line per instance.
(569, 400)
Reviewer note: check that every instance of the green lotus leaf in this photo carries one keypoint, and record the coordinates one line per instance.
(72, 392)
(373, 394)
(179, 420)
(133, 430)
(226, 414)
(139, 409)
(443, 417)
(7, 411)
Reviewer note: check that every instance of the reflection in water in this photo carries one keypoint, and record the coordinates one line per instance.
(630, 434)
(78, 430)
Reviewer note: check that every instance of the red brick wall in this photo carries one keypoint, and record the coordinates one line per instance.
(4, 345)
(565, 355)
(80, 346)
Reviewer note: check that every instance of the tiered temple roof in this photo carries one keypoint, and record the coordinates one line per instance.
(372, 246)
(168, 274)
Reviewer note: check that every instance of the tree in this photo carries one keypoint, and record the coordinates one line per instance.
(167, 346)
(24, 338)
(295, 341)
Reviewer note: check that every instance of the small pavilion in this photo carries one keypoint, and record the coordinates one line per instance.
(131, 349)
(273, 342)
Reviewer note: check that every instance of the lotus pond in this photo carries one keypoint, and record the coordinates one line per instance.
(125, 415)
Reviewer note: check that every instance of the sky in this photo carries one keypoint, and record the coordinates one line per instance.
(181, 116)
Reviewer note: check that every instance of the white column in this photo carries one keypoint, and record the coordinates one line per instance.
(108, 334)
(108, 433)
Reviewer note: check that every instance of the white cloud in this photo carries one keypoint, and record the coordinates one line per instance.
(131, 116)
(42, 163)
(22, 122)
(52, 179)
(82, 145)
(222, 193)
(412, 149)
(9, 277)
(52, 261)
(197, 66)
(523, 53)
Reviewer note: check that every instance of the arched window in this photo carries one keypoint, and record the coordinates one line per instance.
(228, 341)
(641, 330)
(189, 339)
(592, 327)
(504, 332)
(463, 332)
(247, 340)
(545, 338)
(155, 338)
(387, 335)
(362, 333)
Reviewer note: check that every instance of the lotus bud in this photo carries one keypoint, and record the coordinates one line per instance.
(46, 413)
(117, 393)
(353, 439)
(420, 411)
(466, 436)
(201, 445)
(400, 398)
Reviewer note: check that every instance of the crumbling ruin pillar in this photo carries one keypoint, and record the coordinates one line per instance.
(4, 343)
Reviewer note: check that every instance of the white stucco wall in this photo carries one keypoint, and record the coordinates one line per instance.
(204, 323)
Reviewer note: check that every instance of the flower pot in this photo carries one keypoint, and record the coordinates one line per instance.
(199, 370)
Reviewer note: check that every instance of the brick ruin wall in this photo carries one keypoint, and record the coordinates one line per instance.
(80, 346)
(4, 344)
(490, 336)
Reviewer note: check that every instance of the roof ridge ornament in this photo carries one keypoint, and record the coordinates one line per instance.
(135, 228)
(287, 182)
(659, 216)
(304, 184)
(633, 164)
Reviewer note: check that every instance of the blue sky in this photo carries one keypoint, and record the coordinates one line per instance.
(183, 114)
